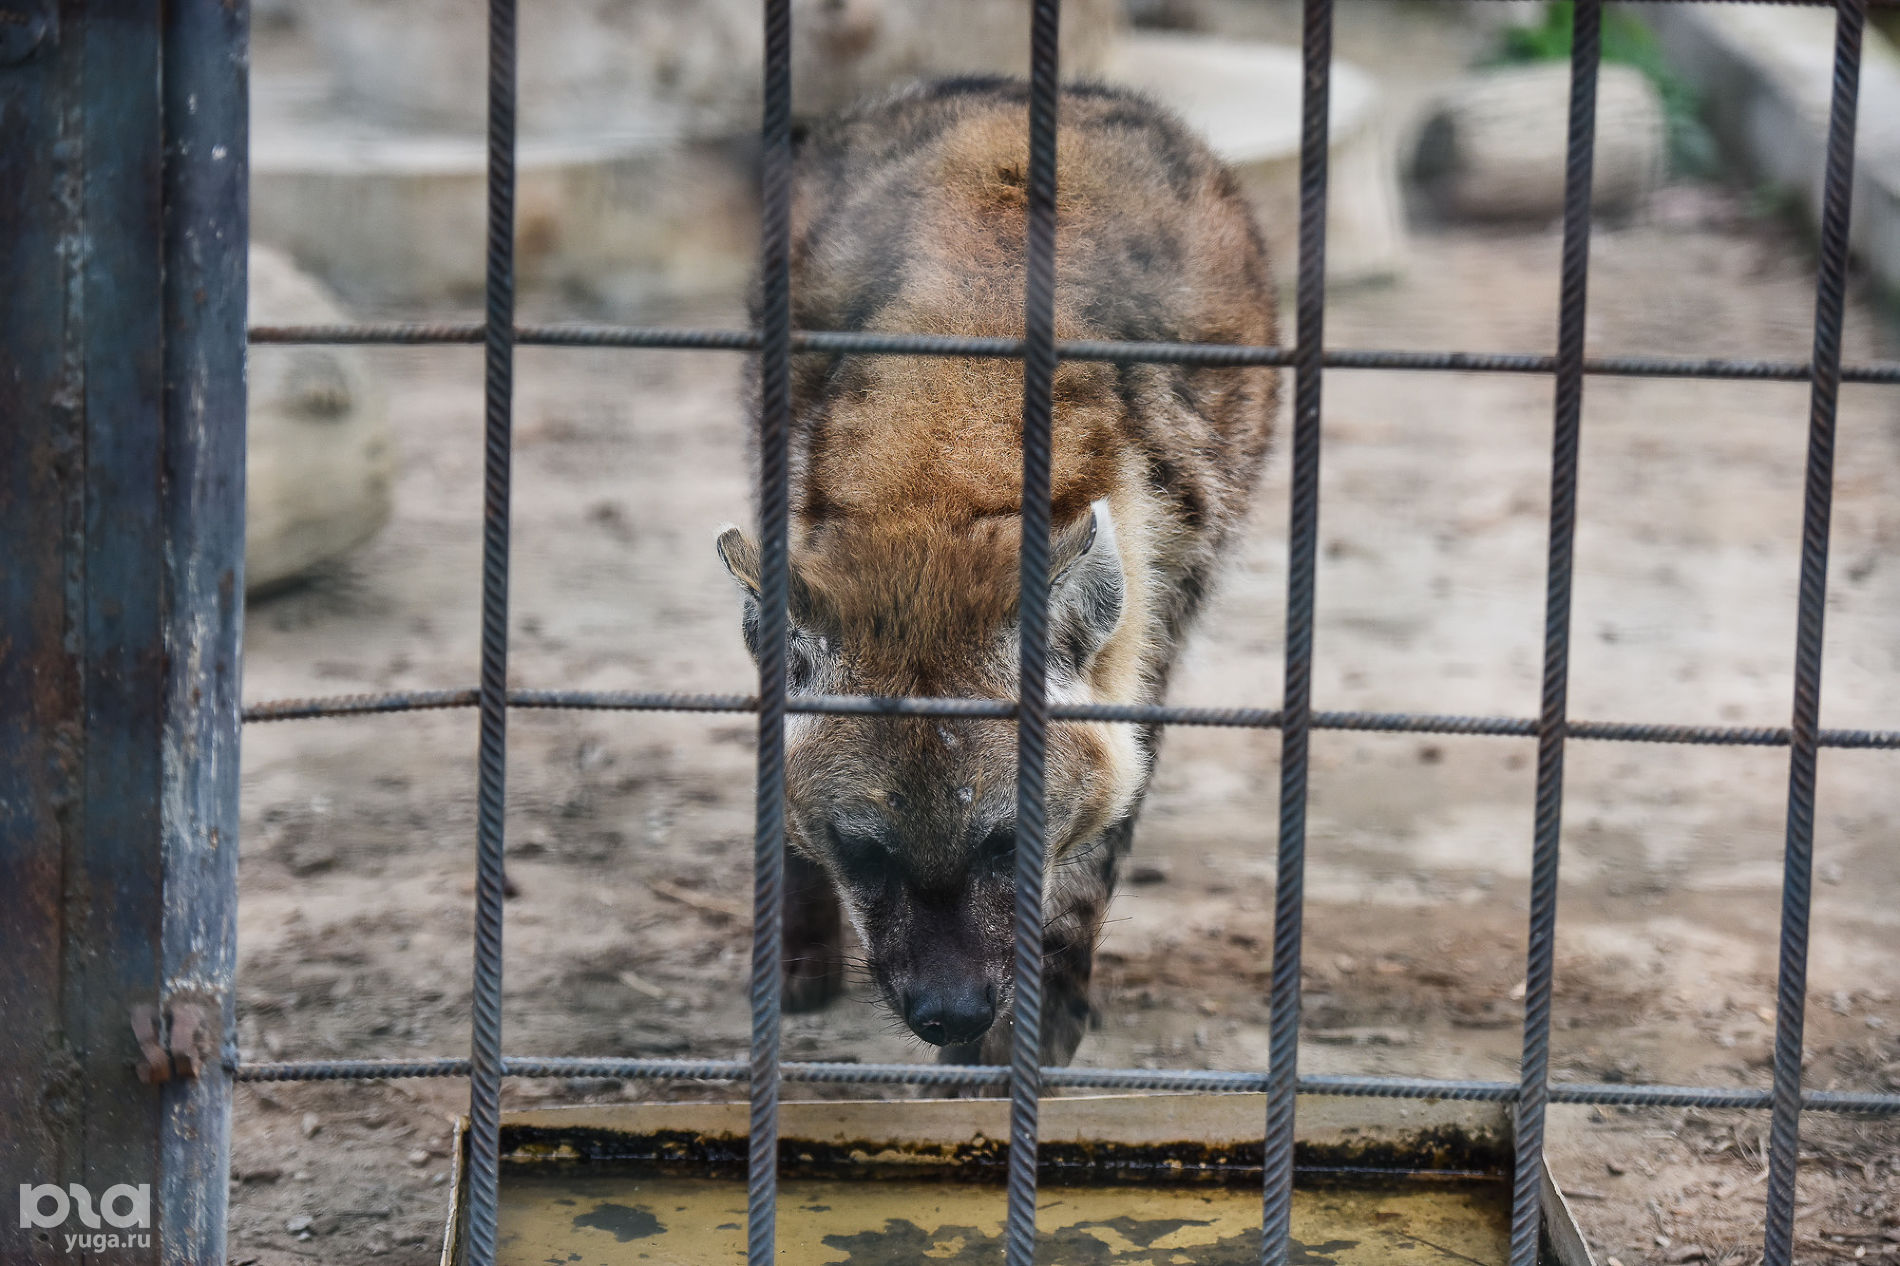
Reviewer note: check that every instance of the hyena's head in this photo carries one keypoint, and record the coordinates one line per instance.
(915, 817)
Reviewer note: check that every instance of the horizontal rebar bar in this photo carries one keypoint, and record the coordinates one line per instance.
(401, 333)
(1150, 1079)
(1133, 714)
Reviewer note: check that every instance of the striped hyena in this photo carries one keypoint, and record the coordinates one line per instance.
(906, 480)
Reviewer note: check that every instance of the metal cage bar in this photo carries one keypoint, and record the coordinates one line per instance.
(336, 706)
(1289, 892)
(1032, 709)
(1798, 861)
(1227, 355)
(485, 1060)
(1541, 952)
(775, 341)
(1621, 1094)
(768, 843)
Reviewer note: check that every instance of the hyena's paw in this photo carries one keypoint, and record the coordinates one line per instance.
(811, 984)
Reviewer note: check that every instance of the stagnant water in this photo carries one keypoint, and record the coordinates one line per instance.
(595, 1216)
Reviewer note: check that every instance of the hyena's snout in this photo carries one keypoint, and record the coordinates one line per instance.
(948, 982)
(950, 1012)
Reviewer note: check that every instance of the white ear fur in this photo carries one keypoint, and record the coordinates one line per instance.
(740, 556)
(1085, 597)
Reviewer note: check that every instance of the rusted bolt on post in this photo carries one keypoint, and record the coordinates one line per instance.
(182, 1056)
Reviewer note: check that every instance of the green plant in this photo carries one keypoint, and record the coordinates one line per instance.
(1626, 40)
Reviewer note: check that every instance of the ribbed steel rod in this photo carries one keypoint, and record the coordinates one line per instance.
(1296, 719)
(1032, 712)
(876, 343)
(1153, 1079)
(484, 1110)
(775, 426)
(1112, 713)
(1547, 830)
(1803, 753)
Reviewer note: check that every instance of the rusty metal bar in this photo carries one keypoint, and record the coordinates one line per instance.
(206, 187)
(121, 507)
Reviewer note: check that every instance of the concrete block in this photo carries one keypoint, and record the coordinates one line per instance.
(1767, 76)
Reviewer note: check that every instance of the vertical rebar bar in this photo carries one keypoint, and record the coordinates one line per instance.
(484, 1098)
(1289, 896)
(1032, 721)
(1784, 1135)
(1540, 957)
(768, 841)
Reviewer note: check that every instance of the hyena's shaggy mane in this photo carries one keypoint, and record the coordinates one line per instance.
(910, 214)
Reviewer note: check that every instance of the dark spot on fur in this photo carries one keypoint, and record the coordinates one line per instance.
(1192, 588)
(1122, 309)
(1165, 143)
(1095, 90)
(1157, 249)
(1167, 479)
(1003, 87)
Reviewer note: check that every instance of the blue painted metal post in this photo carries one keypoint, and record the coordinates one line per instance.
(122, 258)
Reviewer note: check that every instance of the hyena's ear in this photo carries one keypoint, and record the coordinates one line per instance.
(740, 553)
(1085, 594)
(741, 556)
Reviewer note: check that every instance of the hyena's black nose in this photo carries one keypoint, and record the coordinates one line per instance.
(950, 1015)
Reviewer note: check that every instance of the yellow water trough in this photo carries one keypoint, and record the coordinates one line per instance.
(1126, 1180)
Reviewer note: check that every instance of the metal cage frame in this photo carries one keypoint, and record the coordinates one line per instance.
(776, 342)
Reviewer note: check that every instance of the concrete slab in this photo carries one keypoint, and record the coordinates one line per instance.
(1766, 75)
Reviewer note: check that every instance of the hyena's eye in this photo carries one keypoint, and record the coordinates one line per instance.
(997, 853)
(862, 855)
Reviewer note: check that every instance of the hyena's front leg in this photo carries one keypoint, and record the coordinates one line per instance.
(1078, 897)
(814, 936)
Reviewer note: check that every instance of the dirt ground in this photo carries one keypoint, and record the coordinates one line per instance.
(629, 834)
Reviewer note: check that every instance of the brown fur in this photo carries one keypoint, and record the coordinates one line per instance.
(909, 215)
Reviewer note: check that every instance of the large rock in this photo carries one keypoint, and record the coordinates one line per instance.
(1494, 145)
(320, 461)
